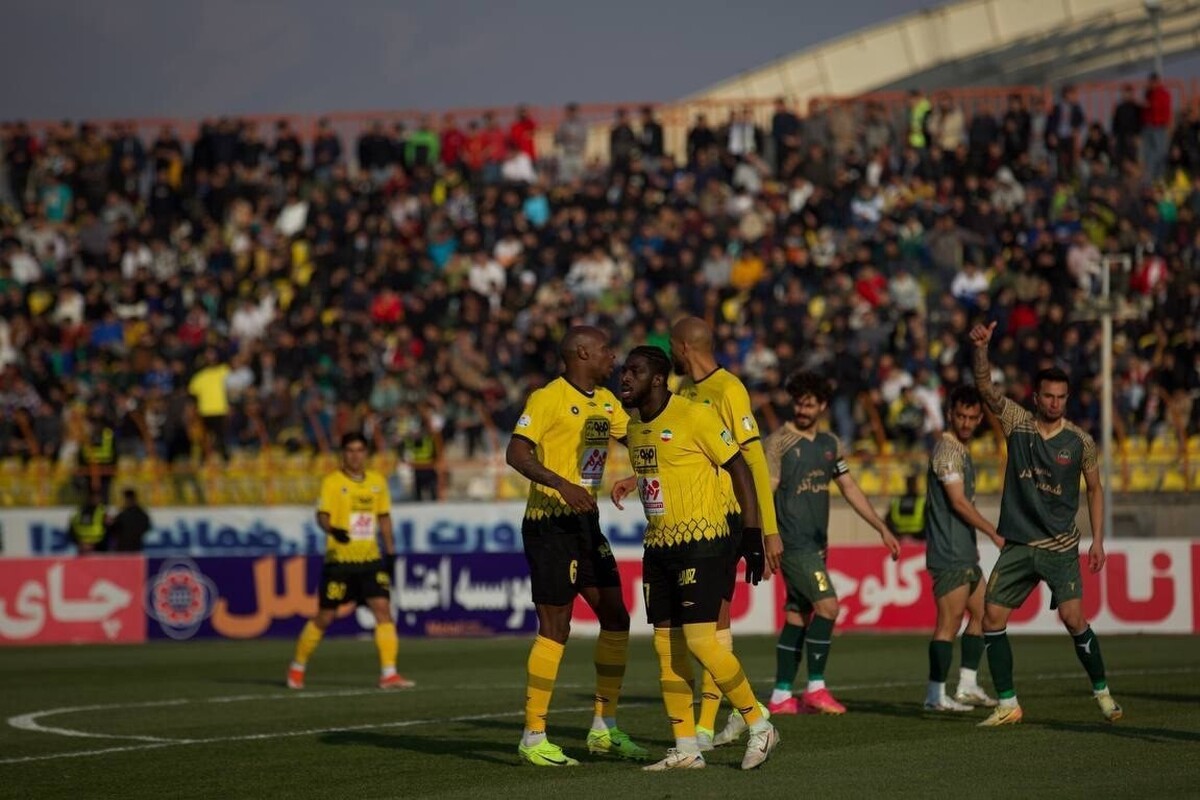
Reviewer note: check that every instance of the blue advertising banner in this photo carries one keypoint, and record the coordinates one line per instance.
(470, 594)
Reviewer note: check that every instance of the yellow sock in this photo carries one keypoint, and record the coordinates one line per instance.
(542, 667)
(710, 693)
(388, 644)
(310, 637)
(724, 666)
(675, 677)
(612, 649)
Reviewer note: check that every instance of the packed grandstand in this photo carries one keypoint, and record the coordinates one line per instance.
(218, 303)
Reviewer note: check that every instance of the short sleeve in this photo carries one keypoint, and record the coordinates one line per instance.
(1011, 415)
(774, 448)
(948, 464)
(1091, 453)
(712, 437)
(385, 497)
(328, 496)
(537, 417)
(619, 426)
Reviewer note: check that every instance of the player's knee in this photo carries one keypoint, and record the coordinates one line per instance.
(995, 618)
(1073, 620)
(827, 608)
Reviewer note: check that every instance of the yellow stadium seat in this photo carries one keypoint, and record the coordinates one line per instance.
(868, 480)
(1193, 445)
(988, 482)
(1142, 479)
(894, 482)
(1173, 480)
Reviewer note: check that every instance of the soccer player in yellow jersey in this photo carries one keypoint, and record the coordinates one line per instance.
(561, 445)
(355, 512)
(704, 381)
(678, 448)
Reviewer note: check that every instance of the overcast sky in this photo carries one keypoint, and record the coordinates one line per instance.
(66, 58)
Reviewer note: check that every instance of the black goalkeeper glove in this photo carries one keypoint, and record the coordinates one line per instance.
(340, 534)
(752, 551)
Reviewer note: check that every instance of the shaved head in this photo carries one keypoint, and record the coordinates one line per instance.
(581, 336)
(695, 333)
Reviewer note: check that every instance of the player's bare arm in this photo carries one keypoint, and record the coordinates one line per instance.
(968, 513)
(858, 501)
(521, 456)
(981, 337)
(385, 532)
(1095, 501)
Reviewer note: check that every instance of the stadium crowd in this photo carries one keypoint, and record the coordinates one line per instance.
(244, 290)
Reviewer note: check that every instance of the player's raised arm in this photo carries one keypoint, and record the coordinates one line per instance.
(522, 457)
(981, 337)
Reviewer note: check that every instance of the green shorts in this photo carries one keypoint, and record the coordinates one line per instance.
(946, 581)
(1019, 569)
(806, 579)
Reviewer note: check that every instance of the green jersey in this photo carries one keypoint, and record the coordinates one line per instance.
(1041, 483)
(802, 467)
(949, 542)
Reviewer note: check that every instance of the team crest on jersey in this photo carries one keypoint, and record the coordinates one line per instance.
(524, 421)
(829, 455)
(726, 436)
(575, 410)
(1063, 457)
(748, 423)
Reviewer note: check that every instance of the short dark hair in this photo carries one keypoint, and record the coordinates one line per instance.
(660, 363)
(1053, 375)
(352, 438)
(965, 396)
(805, 383)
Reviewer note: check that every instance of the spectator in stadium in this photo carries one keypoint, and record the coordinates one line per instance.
(1156, 120)
(88, 525)
(571, 140)
(130, 526)
(906, 513)
(207, 386)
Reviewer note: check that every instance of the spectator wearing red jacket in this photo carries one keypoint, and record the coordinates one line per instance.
(1156, 120)
(521, 133)
(454, 143)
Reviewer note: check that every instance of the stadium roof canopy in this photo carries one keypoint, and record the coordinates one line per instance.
(976, 42)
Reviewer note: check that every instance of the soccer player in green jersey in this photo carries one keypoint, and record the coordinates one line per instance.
(803, 461)
(1046, 457)
(678, 449)
(560, 443)
(952, 557)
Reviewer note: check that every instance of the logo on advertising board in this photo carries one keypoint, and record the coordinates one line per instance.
(180, 597)
(82, 600)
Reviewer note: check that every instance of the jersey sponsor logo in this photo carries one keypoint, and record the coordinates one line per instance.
(748, 423)
(687, 577)
(644, 457)
(650, 490)
(524, 421)
(666, 435)
(1063, 457)
(726, 436)
(595, 430)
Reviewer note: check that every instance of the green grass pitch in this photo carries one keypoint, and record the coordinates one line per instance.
(214, 720)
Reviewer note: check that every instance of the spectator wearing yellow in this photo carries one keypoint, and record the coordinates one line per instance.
(212, 400)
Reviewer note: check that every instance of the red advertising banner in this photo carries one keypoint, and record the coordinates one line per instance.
(76, 600)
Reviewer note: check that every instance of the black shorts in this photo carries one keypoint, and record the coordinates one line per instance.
(734, 520)
(354, 583)
(567, 553)
(682, 585)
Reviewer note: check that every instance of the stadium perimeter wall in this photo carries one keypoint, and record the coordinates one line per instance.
(241, 572)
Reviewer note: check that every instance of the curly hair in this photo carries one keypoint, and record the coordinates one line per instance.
(801, 384)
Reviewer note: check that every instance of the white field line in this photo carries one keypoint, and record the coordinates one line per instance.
(29, 722)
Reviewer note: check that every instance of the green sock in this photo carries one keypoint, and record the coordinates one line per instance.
(1087, 647)
(787, 655)
(1000, 662)
(818, 642)
(940, 656)
(972, 651)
